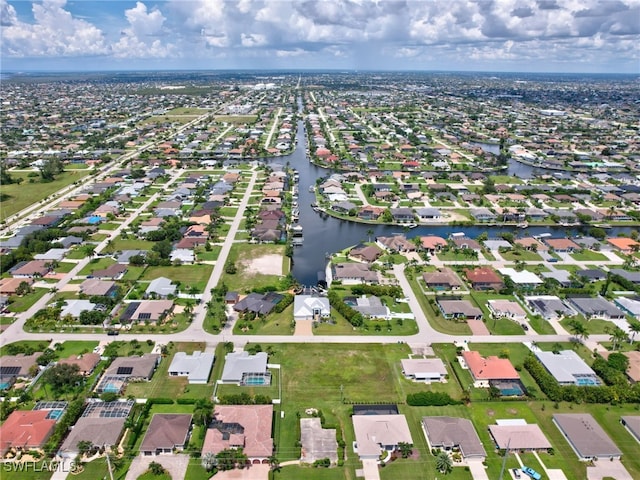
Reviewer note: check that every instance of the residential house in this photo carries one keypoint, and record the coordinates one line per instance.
(310, 307)
(562, 245)
(370, 307)
(516, 435)
(624, 245)
(402, 215)
(442, 279)
(487, 371)
(366, 253)
(376, 434)
(353, 273)
(426, 214)
(96, 287)
(596, 307)
(134, 368)
(258, 303)
(242, 368)
(160, 287)
(532, 244)
(568, 368)
(8, 286)
(18, 366)
(549, 307)
(586, 437)
(432, 244)
(632, 424)
(86, 362)
(523, 278)
(246, 427)
(458, 309)
(464, 242)
(74, 308)
(113, 272)
(396, 243)
(31, 269)
(425, 370)
(482, 215)
(25, 430)
(166, 432)
(147, 311)
(102, 423)
(484, 278)
(196, 367)
(370, 212)
(453, 433)
(500, 308)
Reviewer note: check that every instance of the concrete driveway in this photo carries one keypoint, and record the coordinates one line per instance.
(607, 468)
(176, 465)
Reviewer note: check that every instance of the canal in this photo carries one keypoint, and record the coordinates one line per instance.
(324, 234)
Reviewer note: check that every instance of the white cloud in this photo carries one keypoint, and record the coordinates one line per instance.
(54, 32)
(141, 39)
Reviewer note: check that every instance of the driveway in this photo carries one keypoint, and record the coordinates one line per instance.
(254, 472)
(608, 468)
(477, 469)
(176, 465)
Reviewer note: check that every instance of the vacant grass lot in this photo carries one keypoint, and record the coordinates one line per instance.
(188, 275)
(589, 255)
(75, 347)
(18, 197)
(119, 244)
(97, 264)
(241, 255)
(523, 255)
(24, 303)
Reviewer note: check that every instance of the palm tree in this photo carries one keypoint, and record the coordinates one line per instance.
(617, 336)
(369, 233)
(579, 330)
(443, 463)
(634, 327)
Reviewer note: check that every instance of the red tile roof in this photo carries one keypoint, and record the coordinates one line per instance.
(26, 429)
(490, 368)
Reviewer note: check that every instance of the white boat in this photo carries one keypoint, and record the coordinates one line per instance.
(312, 188)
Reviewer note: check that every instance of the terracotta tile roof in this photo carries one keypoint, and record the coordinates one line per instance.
(26, 429)
(254, 436)
(489, 368)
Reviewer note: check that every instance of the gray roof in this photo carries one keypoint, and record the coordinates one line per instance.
(453, 431)
(585, 435)
(136, 367)
(126, 255)
(459, 307)
(548, 305)
(630, 305)
(371, 306)
(76, 307)
(496, 244)
(195, 367)
(161, 286)
(566, 366)
(632, 422)
(238, 363)
(631, 276)
(597, 307)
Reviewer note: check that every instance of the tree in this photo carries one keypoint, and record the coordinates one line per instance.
(579, 330)
(617, 336)
(406, 449)
(84, 446)
(209, 461)
(156, 468)
(634, 327)
(274, 463)
(444, 463)
(63, 377)
(369, 234)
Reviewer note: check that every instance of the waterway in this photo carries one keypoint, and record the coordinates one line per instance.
(324, 235)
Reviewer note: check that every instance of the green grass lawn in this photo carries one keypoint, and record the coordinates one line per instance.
(18, 197)
(524, 255)
(594, 326)
(75, 347)
(24, 303)
(209, 256)
(370, 327)
(27, 471)
(64, 267)
(541, 326)
(244, 280)
(295, 472)
(97, 469)
(120, 244)
(29, 345)
(589, 255)
(97, 264)
(188, 275)
(273, 324)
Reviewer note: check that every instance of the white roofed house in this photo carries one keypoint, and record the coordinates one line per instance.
(506, 309)
(379, 433)
(309, 307)
(161, 287)
(425, 370)
(196, 367)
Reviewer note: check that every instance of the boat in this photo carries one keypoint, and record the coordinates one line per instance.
(522, 225)
(312, 188)
(412, 225)
(297, 236)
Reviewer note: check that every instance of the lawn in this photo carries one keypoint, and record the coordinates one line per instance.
(244, 280)
(24, 303)
(98, 469)
(75, 347)
(594, 326)
(589, 256)
(370, 327)
(541, 326)
(273, 324)
(27, 471)
(97, 264)
(212, 255)
(26, 346)
(195, 276)
(119, 244)
(295, 472)
(521, 254)
(18, 197)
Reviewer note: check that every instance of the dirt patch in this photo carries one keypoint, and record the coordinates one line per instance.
(266, 265)
(71, 287)
(490, 413)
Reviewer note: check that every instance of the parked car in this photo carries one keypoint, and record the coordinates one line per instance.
(516, 473)
(524, 326)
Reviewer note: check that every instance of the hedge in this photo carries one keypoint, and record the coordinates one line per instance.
(431, 399)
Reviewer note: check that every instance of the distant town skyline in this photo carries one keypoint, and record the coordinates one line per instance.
(567, 36)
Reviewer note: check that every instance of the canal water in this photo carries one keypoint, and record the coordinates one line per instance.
(324, 235)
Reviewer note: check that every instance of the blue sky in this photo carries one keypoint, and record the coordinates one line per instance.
(600, 36)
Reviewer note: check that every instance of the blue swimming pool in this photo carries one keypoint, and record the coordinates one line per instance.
(254, 381)
(5, 385)
(55, 414)
(590, 382)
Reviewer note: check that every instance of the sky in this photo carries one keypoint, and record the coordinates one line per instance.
(590, 36)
